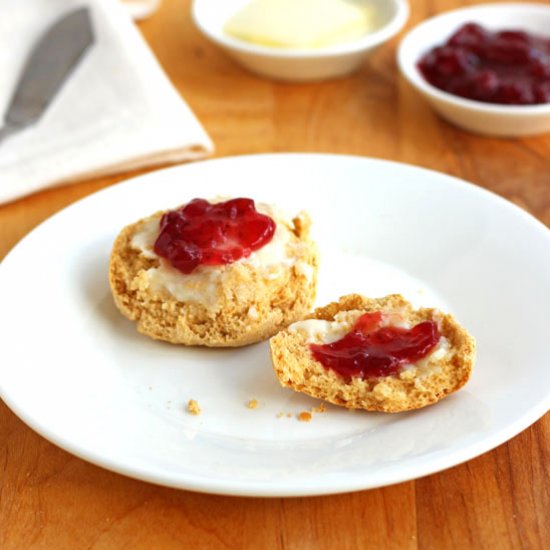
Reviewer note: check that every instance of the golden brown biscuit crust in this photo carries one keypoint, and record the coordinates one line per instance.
(411, 389)
(250, 307)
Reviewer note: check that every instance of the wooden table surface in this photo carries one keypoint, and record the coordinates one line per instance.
(50, 499)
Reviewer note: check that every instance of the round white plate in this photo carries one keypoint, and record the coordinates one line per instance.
(79, 374)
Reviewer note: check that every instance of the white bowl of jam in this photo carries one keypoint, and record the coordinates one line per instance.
(294, 61)
(485, 68)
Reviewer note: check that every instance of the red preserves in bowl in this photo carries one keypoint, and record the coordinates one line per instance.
(508, 67)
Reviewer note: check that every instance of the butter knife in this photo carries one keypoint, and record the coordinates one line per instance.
(48, 66)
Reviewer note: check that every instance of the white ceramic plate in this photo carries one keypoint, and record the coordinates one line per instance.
(80, 375)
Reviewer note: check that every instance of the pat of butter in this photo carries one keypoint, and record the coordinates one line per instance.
(302, 24)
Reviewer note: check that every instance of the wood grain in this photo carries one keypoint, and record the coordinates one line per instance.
(50, 499)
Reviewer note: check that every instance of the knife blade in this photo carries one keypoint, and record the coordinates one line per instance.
(51, 61)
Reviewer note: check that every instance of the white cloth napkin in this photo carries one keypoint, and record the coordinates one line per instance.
(117, 110)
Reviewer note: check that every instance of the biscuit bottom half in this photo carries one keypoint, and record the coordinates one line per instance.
(243, 305)
(415, 386)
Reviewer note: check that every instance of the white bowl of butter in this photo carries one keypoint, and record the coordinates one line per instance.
(300, 40)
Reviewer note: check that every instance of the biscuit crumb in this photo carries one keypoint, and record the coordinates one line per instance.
(252, 404)
(289, 415)
(320, 409)
(193, 407)
(304, 416)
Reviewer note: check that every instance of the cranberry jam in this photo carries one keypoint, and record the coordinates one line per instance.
(200, 233)
(371, 351)
(508, 67)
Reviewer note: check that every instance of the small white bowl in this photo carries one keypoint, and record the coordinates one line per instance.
(482, 118)
(297, 65)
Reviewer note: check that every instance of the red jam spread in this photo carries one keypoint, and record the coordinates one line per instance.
(201, 233)
(371, 351)
(508, 67)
